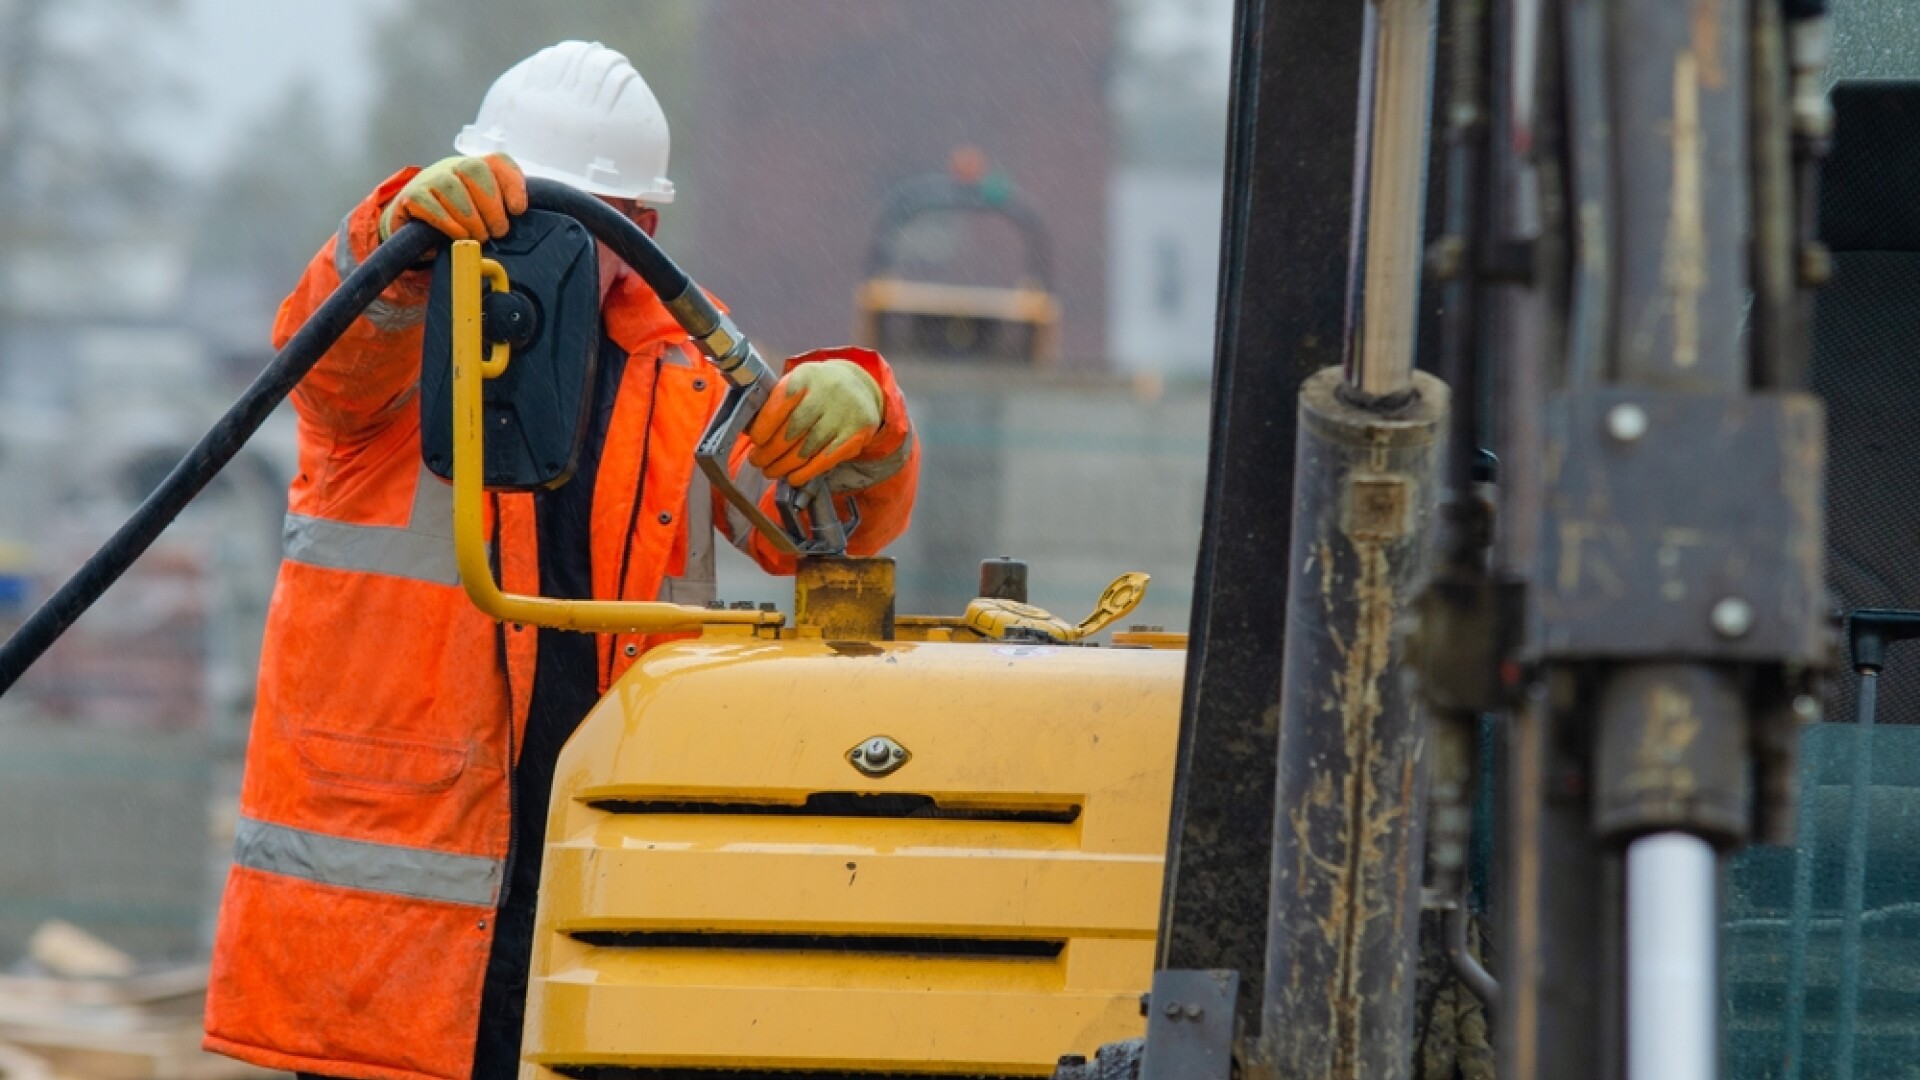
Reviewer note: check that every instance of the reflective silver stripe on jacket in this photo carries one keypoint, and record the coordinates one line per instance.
(421, 550)
(383, 314)
(696, 585)
(363, 864)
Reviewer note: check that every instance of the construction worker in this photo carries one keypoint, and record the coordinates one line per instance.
(378, 917)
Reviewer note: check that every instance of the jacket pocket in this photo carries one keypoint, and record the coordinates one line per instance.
(380, 762)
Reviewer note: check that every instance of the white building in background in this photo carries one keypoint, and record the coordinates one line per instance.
(1163, 269)
(1169, 100)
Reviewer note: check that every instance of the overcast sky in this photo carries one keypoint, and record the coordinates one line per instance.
(238, 57)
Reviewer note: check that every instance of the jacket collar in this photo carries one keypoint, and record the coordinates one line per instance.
(637, 320)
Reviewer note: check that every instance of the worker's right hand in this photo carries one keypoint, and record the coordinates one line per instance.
(467, 198)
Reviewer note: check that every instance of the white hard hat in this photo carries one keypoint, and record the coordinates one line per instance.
(578, 113)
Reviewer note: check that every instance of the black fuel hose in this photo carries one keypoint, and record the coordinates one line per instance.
(217, 447)
(404, 249)
(613, 229)
(689, 306)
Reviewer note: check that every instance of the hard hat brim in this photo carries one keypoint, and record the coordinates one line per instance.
(657, 193)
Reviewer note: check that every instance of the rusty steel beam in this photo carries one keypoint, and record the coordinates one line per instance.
(1673, 614)
(1349, 816)
(1679, 132)
(1283, 271)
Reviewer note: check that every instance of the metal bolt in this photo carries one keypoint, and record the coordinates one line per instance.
(1172, 1010)
(1626, 422)
(878, 756)
(699, 384)
(1195, 1012)
(1807, 708)
(1732, 618)
(666, 518)
(631, 650)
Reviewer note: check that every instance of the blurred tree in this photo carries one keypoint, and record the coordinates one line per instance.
(294, 174)
(282, 194)
(74, 79)
(436, 58)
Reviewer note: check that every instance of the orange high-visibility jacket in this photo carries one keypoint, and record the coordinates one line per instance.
(373, 827)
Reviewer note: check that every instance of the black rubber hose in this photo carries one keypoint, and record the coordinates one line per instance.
(222, 441)
(613, 229)
(217, 447)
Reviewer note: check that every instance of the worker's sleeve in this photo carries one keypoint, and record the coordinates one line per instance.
(882, 481)
(374, 368)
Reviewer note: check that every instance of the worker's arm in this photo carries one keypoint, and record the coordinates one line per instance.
(374, 368)
(881, 474)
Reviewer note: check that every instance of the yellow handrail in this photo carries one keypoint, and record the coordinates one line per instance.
(469, 517)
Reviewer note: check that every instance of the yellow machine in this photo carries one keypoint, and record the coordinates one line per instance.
(854, 844)
(772, 851)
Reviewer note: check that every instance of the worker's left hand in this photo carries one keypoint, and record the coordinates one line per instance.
(819, 415)
(466, 198)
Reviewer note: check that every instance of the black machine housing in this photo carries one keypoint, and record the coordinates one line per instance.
(535, 414)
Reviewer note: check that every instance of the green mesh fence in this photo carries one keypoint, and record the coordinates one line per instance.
(1822, 966)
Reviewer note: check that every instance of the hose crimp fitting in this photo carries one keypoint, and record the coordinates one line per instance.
(733, 354)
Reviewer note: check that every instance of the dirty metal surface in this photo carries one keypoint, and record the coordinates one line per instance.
(1463, 637)
(1190, 1025)
(1285, 235)
(1682, 526)
(1114, 1061)
(1672, 752)
(848, 599)
(1556, 991)
(1348, 845)
(1678, 136)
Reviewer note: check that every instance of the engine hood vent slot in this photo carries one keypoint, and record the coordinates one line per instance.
(847, 804)
(944, 948)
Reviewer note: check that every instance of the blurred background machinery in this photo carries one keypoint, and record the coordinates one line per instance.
(909, 308)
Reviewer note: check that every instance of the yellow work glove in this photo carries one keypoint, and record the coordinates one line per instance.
(819, 415)
(468, 198)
